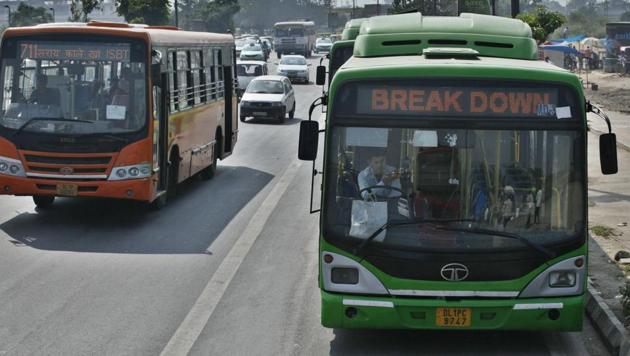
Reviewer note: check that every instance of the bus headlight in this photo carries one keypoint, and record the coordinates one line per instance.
(11, 167)
(345, 275)
(562, 279)
(136, 171)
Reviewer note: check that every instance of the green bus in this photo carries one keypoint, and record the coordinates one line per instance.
(454, 180)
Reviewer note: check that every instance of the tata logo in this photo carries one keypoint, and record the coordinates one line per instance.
(66, 171)
(454, 272)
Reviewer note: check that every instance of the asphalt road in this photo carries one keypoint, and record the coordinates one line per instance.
(227, 268)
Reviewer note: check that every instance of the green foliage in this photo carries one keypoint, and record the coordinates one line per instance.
(218, 15)
(27, 15)
(586, 21)
(542, 21)
(150, 12)
(603, 231)
(260, 15)
(625, 298)
(80, 10)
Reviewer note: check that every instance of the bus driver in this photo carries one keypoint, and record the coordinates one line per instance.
(379, 173)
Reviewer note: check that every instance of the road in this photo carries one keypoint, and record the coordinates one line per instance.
(227, 268)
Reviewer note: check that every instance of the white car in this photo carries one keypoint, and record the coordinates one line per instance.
(323, 45)
(239, 44)
(268, 96)
(294, 67)
(252, 52)
(246, 71)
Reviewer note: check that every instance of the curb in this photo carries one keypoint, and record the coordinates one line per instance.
(619, 144)
(610, 329)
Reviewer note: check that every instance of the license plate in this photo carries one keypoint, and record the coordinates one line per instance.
(69, 190)
(260, 113)
(453, 317)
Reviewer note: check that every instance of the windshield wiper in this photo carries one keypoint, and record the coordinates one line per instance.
(104, 135)
(508, 235)
(394, 223)
(31, 120)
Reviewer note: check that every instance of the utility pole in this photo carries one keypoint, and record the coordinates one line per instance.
(176, 14)
(354, 7)
(52, 9)
(9, 14)
(378, 8)
(516, 8)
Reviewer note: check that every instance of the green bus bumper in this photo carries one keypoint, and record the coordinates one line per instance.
(411, 313)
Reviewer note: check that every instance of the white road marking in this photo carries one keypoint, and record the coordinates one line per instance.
(189, 330)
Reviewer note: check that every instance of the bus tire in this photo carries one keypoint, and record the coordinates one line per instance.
(43, 201)
(208, 172)
(242, 118)
(173, 175)
(159, 203)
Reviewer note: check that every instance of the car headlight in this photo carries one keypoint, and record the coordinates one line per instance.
(136, 171)
(11, 167)
(562, 279)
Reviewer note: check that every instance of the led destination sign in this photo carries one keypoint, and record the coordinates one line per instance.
(461, 101)
(119, 52)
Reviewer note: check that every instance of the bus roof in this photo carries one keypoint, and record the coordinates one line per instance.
(158, 35)
(294, 23)
(470, 66)
(409, 34)
(351, 29)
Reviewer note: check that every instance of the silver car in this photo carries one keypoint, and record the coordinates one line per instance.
(294, 67)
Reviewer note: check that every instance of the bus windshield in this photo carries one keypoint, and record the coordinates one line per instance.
(73, 87)
(289, 32)
(525, 182)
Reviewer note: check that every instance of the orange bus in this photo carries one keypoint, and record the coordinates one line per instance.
(113, 110)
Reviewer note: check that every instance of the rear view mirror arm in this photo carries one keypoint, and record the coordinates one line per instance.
(599, 112)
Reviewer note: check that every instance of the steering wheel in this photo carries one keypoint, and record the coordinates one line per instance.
(369, 190)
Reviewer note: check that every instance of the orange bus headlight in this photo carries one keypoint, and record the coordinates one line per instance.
(11, 167)
(136, 171)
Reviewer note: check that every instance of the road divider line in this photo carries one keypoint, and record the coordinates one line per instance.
(189, 330)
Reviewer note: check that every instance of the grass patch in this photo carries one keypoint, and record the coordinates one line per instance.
(603, 231)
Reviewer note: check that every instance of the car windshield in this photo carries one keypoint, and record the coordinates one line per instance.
(265, 87)
(523, 182)
(253, 47)
(238, 43)
(293, 61)
(94, 88)
(324, 41)
(249, 70)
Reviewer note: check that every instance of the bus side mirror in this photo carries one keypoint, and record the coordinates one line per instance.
(309, 135)
(321, 75)
(608, 153)
(156, 77)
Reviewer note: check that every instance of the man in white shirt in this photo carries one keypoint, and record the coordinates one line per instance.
(378, 173)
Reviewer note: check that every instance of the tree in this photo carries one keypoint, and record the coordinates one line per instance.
(150, 12)
(81, 9)
(27, 15)
(218, 15)
(542, 21)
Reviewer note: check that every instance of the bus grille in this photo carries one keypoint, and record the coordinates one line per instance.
(75, 167)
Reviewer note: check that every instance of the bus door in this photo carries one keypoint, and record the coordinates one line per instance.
(230, 118)
(160, 136)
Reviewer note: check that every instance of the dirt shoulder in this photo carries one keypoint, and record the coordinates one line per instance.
(613, 90)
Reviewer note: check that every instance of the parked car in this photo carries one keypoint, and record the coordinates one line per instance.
(294, 67)
(252, 52)
(323, 45)
(248, 70)
(268, 96)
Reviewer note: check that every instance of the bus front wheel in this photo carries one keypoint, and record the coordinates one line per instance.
(43, 201)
